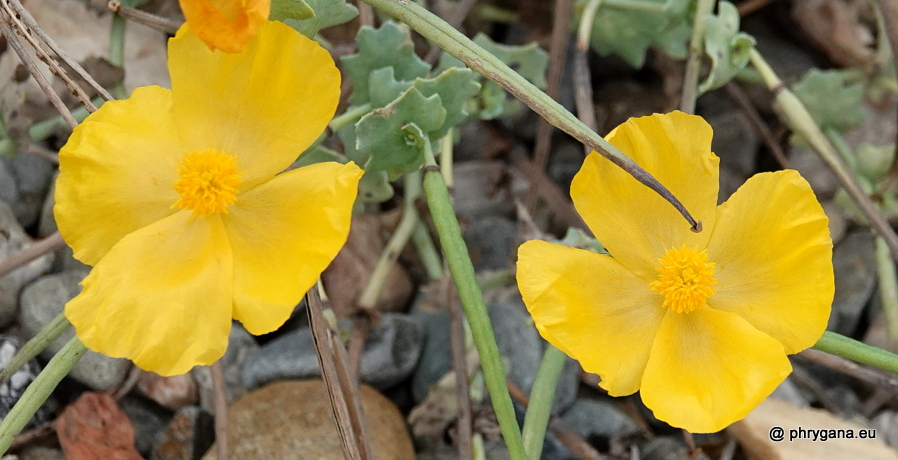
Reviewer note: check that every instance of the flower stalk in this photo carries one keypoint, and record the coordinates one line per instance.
(440, 204)
(39, 391)
(888, 290)
(694, 62)
(36, 345)
(839, 345)
(541, 398)
(482, 61)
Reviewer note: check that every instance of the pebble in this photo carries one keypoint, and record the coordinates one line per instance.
(292, 420)
(32, 177)
(436, 351)
(854, 262)
(596, 421)
(45, 298)
(735, 141)
(241, 346)
(391, 352)
(668, 448)
(172, 392)
(12, 240)
(148, 420)
(490, 242)
(11, 391)
(788, 392)
(477, 190)
(188, 436)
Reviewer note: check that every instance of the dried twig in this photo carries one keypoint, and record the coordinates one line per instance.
(366, 14)
(23, 257)
(738, 96)
(220, 404)
(557, 51)
(128, 384)
(159, 23)
(586, 111)
(341, 389)
(546, 189)
(42, 152)
(864, 374)
(360, 330)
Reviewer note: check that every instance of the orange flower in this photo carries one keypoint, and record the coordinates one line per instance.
(227, 25)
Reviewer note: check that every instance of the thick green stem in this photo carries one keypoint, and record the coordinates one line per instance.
(461, 47)
(696, 50)
(349, 116)
(584, 30)
(842, 147)
(462, 270)
(39, 391)
(541, 397)
(446, 153)
(427, 252)
(36, 345)
(888, 290)
(800, 121)
(43, 129)
(844, 347)
(117, 50)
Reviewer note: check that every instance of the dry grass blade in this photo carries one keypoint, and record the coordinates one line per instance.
(220, 404)
(32, 25)
(872, 376)
(341, 389)
(159, 23)
(740, 98)
(560, 39)
(547, 190)
(48, 244)
(17, 21)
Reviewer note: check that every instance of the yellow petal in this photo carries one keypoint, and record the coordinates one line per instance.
(774, 259)
(116, 172)
(161, 297)
(225, 24)
(264, 105)
(634, 223)
(709, 369)
(592, 308)
(284, 233)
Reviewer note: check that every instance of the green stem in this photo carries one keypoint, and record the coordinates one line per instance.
(350, 115)
(696, 50)
(446, 154)
(397, 242)
(584, 30)
(844, 347)
(541, 397)
(440, 204)
(39, 391)
(117, 50)
(842, 147)
(427, 252)
(800, 121)
(36, 345)
(461, 47)
(43, 129)
(888, 290)
(638, 5)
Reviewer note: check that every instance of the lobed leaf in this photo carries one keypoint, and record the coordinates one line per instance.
(387, 46)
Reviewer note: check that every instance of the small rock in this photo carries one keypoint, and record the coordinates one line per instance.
(788, 392)
(391, 352)
(478, 191)
(854, 262)
(490, 241)
(436, 352)
(596, 421)
(886, 423)
(13, 240)
(94, 427)
(347, 276)
(735, 141)
(32, 179)
(172, 392)
(806, 161)
(45, 298)
(11, 391)
(667, 448)
(519, 343)
(241, 345)
(474, 140)
(292, 420)
(148, 420)
(565, 163)
(188, 436)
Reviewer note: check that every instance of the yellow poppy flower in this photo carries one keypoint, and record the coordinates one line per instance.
(699, 323)
(227, 25)
(175, 199)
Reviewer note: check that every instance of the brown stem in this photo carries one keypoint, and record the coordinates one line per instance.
(464, 431)
(738, 96)
(48, 244)
(220, 405)
(159, 23)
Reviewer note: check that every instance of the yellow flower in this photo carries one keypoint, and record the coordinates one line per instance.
(699, 323)
(227, 25)
(174, 197)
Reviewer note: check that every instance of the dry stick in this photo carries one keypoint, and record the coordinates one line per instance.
(42, 152)
(16, 45)
(14, 20)
(456, 17)
(341, 389)
(586, 110)
(547, 189)
(360, 330)
(579, 447)
(848, 367)
(366, 14)
(220, 405)
(162, 24)
(557, 51)
(750, 6)
(696, 51)
(738, 96)
(23, 257)
(35, 27)
(464, 432)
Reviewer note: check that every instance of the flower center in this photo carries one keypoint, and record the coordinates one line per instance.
(685, 279)
(208, 182)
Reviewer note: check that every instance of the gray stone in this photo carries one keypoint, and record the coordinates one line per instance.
(241, 346)
(32, 179)
(886, 425)
(473, 141)
(667, 448)
(854, 262)
(47, 226)
(188, 436)
(594, 420)
(45, 298)
(13, 240)
(436, 354)
(391, 352)
(838, 224)
(477, 191)
(565, 163)
(11, 391)
(788, 392)
(490, 241)
(148, 419)
(823, 181)
(735, 141)
(519, 344)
